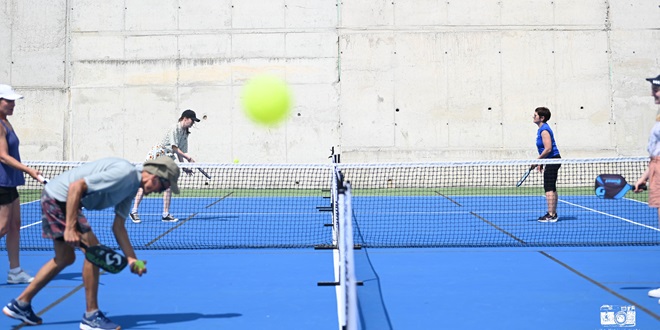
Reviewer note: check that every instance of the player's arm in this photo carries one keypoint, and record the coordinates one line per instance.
(547, 144)
(7, 159)
(121, 235)
(182, 155)
(547, 147)
(77, 190)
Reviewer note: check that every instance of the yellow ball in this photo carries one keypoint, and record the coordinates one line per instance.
(139, 264)
(266, 99)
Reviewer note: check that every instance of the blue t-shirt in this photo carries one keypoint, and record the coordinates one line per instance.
(9, 176)
(110, 182)
(539, 141)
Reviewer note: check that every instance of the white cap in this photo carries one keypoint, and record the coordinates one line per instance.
(8, 93)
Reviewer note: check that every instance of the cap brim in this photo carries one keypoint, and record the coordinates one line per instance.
(174, 187)
(11, 97)
(195, 119)
(654, 81)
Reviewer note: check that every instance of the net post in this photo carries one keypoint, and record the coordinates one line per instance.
(350, 281)
(347, 303)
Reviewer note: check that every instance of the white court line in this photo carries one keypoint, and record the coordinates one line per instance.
(34, 223)
(611, 215)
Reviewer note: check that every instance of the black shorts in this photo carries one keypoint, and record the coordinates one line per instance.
(8, 195)
(550, 174)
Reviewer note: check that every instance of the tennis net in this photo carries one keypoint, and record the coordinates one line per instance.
(455, 204)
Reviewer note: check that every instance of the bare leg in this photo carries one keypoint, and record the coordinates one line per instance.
(138, 198)
(167, 196)
(14, 232)
(90, 274)
(551, 198)
(64, 256)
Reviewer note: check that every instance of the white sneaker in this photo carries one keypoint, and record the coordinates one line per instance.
(21, 278)
(655, 293)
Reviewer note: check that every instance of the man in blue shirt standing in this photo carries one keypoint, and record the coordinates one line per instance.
(96, 185)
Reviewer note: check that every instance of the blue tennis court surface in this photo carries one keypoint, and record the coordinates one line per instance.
(494, 288)
(404, 288)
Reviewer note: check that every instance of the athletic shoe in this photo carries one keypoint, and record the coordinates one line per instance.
(98, 321)
(24, 314)
(169, 218)
(21, 278)
(655, 293)
(135, 217)
(548, 218)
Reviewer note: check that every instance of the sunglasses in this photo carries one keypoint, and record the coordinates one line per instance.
(164, 184)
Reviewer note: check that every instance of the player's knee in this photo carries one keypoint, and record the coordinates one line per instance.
(65, 259)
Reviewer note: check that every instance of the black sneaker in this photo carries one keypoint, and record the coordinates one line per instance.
(549, 218)
(135, 217)
(24, 314)
(169, 218)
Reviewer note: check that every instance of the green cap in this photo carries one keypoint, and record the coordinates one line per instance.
(166, 168)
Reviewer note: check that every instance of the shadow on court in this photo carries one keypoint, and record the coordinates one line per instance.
(146, 320)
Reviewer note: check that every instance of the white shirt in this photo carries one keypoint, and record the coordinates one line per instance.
(654, 141)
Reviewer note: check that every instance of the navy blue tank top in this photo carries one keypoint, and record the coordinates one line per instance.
(9, 176)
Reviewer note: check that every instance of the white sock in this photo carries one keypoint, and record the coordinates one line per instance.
(89, 314)
(15, 270)
(22, 303)
(134, 210)
(166, 214)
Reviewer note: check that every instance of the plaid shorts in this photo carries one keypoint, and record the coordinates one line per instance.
(158, 151)
(53, 218)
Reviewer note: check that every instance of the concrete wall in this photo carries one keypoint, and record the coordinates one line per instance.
(409, 80)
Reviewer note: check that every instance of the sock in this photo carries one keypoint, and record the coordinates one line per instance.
(22, 304)
(134, 210)
(89, 314)
(166, 214)
(15, 271)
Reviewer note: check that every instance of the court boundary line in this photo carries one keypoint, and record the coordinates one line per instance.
(488, 222)
(600, 285)
(610, 215)
(186, 220)
(498, 228)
